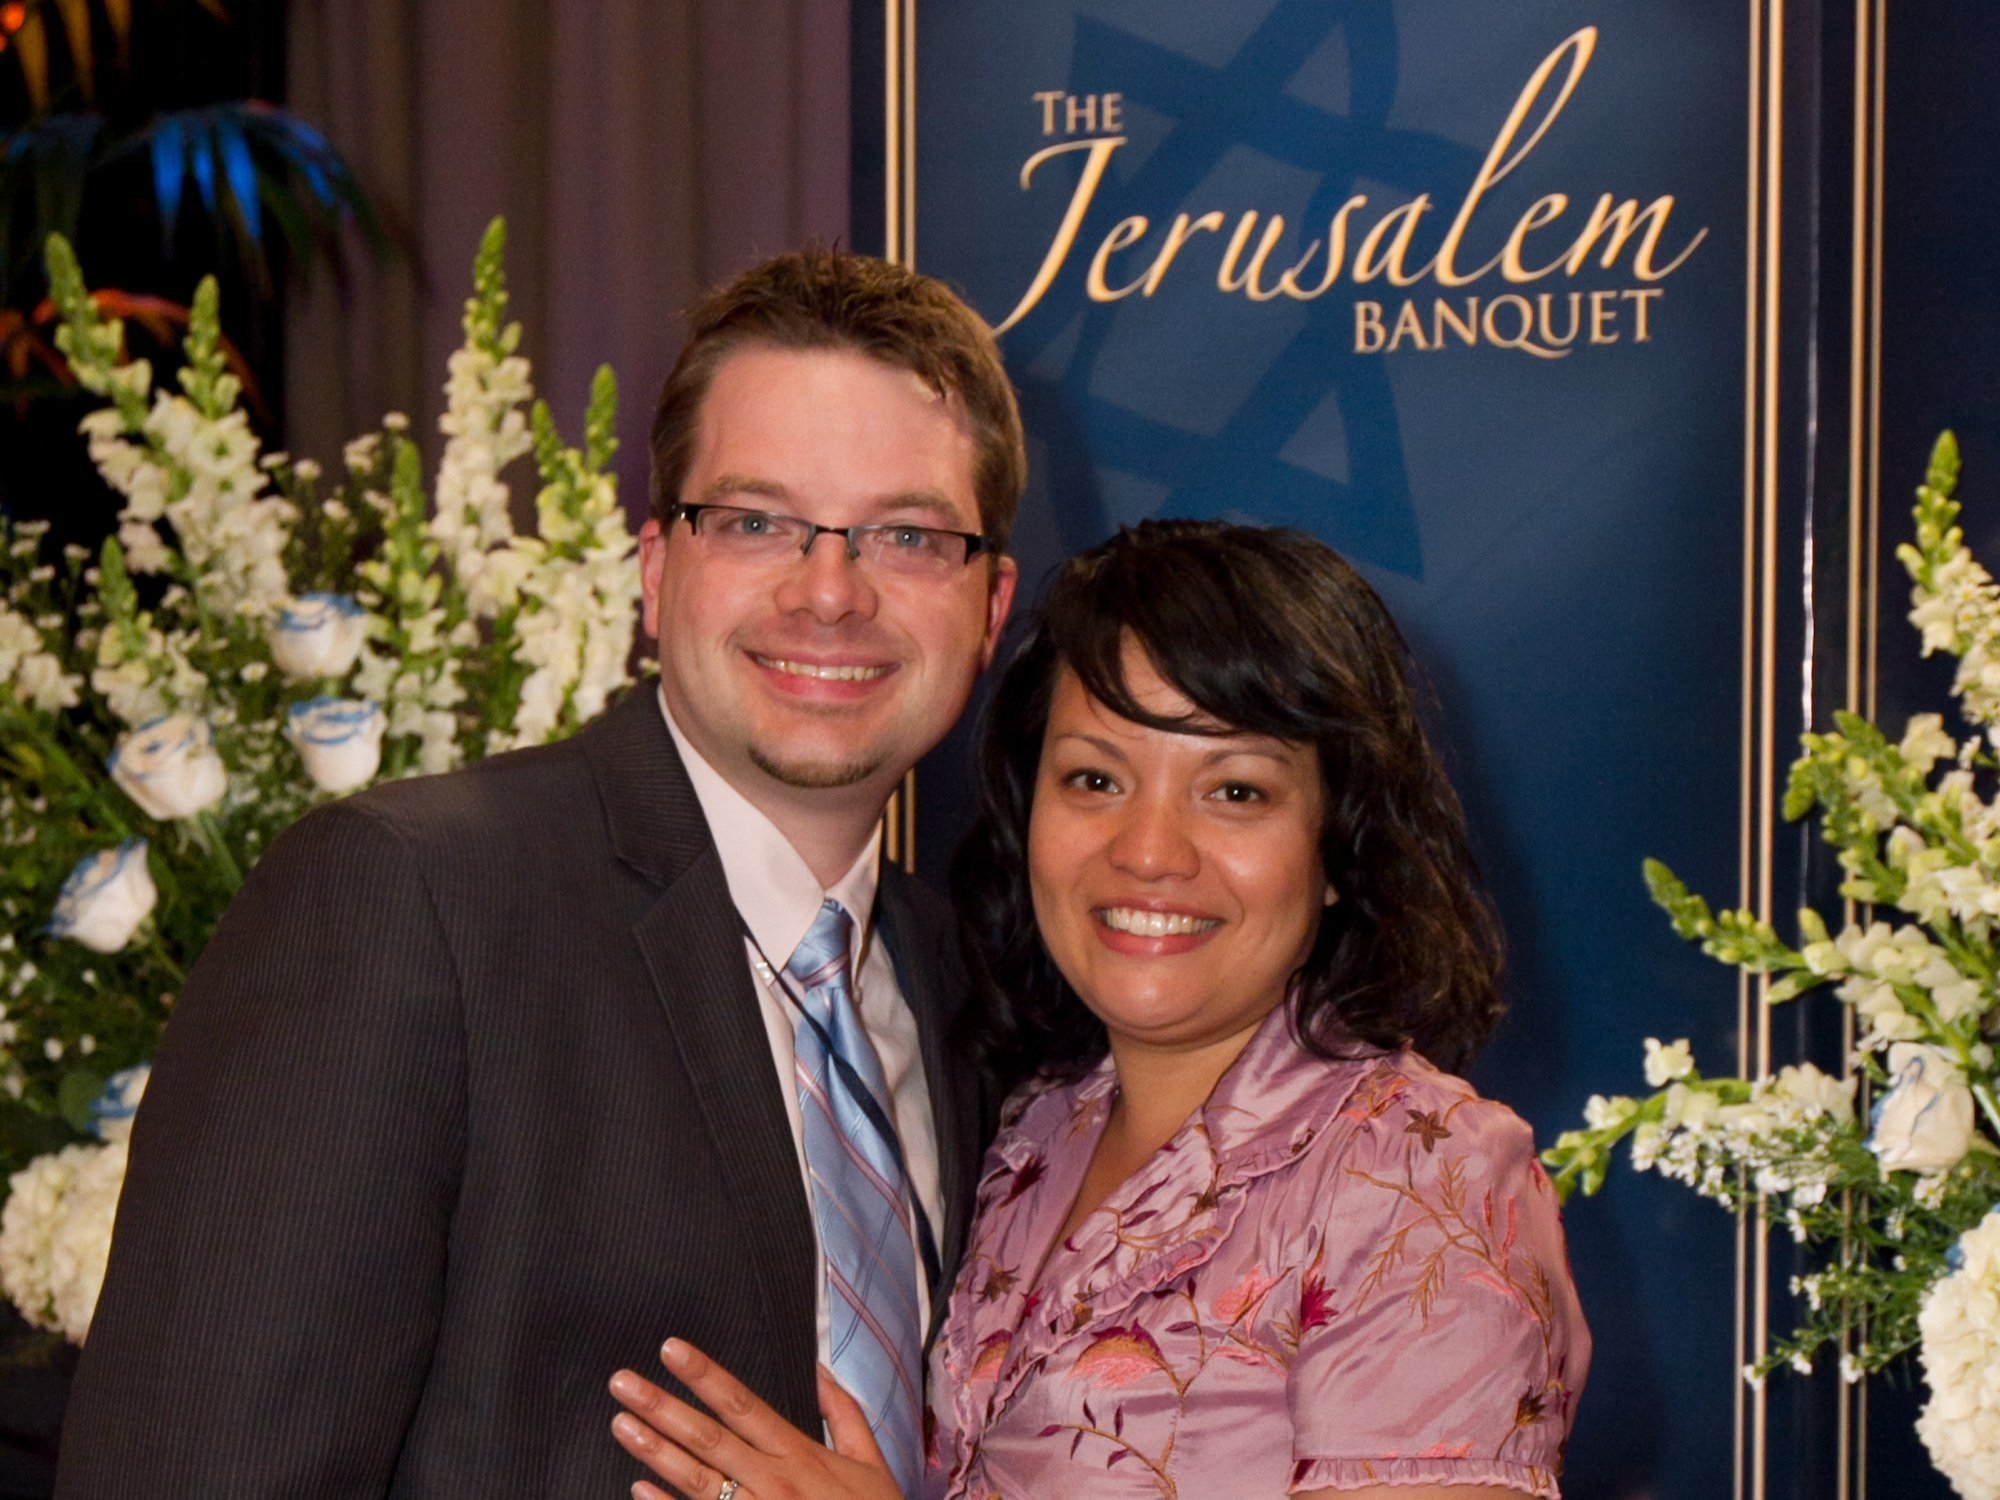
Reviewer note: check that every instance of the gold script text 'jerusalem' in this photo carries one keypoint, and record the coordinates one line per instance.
(1607, 232)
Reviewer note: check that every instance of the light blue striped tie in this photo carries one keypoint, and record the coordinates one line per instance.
(861, 1199)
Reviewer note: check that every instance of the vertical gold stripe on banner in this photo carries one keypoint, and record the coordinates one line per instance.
(1857, 392)
(1746, 790)
(908, 250)
(1757, 833)
(1847, 1410)
(1871, 121)
(1851, 1477)
(899, 245)
(1878, 139)
(1774, 120)
(892, 127)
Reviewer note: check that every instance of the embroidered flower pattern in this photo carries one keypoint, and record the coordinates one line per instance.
(1162, 1338)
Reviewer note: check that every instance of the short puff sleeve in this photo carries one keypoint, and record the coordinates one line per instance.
(1441, 1340)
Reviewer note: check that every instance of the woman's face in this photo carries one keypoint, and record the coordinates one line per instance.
(1176, 877)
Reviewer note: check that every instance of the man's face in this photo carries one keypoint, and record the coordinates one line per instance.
(815, 673)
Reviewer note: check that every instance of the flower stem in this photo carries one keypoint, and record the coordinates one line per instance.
(217, 848)
(171, 964)
(1983, 1092)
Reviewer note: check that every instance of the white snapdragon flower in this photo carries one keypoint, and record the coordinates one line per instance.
(1689, 1109)
(1600, 1113)
(1952, 993)
(1871, 799)
(1747, 1120)
(145, 549)
(438, 749)
(1925, 743)
(106, 898)
(151, 684)
(42, 683)
(170, 768)
(1804, 1092)
(1876, 1002)
(317, 635)
(36, 675)
(1647, 1138)
(1887, 953)
(1665, 1063)
(1923, 1123)
(339, 739)
(485, 430)
(229, 528)
(1959, 1325)
(1969, 894)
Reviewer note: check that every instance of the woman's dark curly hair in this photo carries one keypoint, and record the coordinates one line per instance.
(1267, 632)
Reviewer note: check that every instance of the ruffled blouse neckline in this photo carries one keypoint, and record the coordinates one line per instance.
(1007, 1320)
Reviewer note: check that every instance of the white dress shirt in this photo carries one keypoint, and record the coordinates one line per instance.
(779, 897)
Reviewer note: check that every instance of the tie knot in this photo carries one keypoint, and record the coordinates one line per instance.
(825, 949)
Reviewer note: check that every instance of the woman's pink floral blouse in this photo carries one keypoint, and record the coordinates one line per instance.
(1338, 1274)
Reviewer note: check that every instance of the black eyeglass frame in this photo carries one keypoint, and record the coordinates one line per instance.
(976, 542)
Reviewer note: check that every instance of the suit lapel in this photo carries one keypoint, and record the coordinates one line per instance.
(691, 940)
(923, 978)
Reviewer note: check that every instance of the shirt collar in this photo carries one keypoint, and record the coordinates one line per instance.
(770, 882)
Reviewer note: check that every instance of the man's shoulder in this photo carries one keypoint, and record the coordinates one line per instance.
(542, 803)
(507, 796)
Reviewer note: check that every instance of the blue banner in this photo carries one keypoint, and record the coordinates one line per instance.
(1460, 289)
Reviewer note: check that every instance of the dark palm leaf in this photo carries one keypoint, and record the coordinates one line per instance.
(246, 158)
(239, 171)
(169, 173)
(76, 28)
(43, 167)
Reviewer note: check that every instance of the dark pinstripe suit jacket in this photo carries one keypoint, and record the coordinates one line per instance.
(467, 1104)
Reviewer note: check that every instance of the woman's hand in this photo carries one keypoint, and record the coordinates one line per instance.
(745, 1441)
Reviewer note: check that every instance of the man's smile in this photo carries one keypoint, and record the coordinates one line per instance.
(823, 671)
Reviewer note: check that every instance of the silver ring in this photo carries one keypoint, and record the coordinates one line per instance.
(728, 1490)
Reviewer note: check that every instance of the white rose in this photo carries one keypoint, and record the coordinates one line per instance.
(112, 1113)
(1924, 1122)
(340, 741)
(106, 897)
(1666, 1063)
(317, 635)
(169, 767)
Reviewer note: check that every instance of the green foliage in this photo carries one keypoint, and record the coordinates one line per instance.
(184, 611)
(1915, 827)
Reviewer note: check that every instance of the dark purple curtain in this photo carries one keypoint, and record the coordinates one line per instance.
(640, 150)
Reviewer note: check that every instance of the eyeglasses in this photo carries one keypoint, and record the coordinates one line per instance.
(896, 547)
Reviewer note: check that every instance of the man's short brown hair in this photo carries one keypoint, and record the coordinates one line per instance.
(825, 298)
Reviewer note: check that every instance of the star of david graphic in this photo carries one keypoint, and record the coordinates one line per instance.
(1113, 459)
